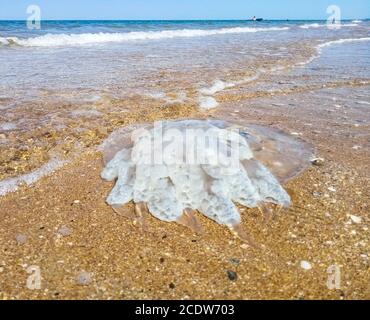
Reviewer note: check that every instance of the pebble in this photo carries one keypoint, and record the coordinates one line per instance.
(232, 275)
(21, 238)
(84, 278)
(2, 136)
(172, 285)
(332, 189)
(355, 219)
(234, 261)
(306, 265)
(318, 161)
(316, 194)
(64, 231)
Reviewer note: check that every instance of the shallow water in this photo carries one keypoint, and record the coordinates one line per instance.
(75, 60)
(62, 87)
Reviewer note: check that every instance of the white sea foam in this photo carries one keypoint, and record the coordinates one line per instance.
(220, 85)
(217, 86)
(86, 113)
(348, 25)
(156, 95)
(12, 184)
(328, 44)
(180, 97)
(340, 41)
(53, 40)
(356, 21)
(311, 25)
(4, 41)
(363, 102)
(207, 103)
(255, 76)
(7, 126)
(317, 25)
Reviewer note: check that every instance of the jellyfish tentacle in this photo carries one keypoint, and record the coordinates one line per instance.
(277, 211)
(240, 233)
(267, 186)
(266, 211)
(189, 220)
(124, 211)
(140, 210)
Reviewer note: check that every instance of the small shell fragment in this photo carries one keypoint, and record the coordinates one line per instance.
(305, 265)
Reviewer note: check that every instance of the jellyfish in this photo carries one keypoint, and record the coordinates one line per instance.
(177, 169)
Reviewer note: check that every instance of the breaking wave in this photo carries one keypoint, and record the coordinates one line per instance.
(54, 40)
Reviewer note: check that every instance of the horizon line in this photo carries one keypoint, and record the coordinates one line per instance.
(277, 19)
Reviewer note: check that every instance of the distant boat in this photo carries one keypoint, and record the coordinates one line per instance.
(256, 19)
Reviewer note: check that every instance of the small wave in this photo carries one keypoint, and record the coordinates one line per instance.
(217, 86)
(8, 41)
(328, 44)
(317, 25)
(12, 184)
(363, 102)
(348, 25)
(340, 41)
(55, 40)
(356, 21)
(206, 101)
(311, 25)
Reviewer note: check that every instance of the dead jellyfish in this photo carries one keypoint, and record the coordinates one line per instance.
(174, 169)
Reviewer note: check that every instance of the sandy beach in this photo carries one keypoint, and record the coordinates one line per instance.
(62, 225)
(168, 262)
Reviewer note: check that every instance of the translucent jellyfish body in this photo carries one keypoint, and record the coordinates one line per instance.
(174, 168)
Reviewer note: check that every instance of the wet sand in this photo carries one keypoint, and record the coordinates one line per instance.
(84, 250)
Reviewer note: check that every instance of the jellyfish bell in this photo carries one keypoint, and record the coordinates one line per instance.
(230, 163)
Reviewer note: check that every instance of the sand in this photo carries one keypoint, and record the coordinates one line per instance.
(84, 250)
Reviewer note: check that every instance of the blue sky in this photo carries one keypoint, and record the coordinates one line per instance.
(183, 9)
